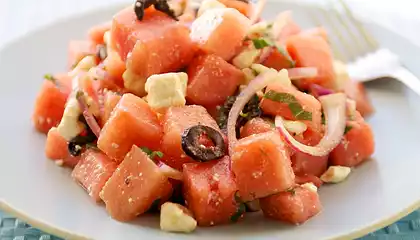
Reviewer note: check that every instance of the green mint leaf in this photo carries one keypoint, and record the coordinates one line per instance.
(49, 77)
(260, 43)
(323, 118)
(152, 154)
(347, 129)
(292, 102)
(280, 97)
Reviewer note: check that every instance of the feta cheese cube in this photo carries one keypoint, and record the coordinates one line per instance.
(176, 218)
(246, 58)
(209, 4)
(258, 30)
(134, 83)
(70, 126)
(310, 186)
(84, 65)
(335, 174)
(166, 90)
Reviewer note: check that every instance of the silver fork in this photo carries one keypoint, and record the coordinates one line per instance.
(366, 60)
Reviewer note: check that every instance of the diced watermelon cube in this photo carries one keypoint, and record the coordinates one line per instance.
(308, 103)
(96, 33)
(255, 126)
(131, 122)
(262, 167)
(312, 51)
(209, 191)
(56, 149)
(295, 206)
(357, 146)
(78, 49)
(134, 186)
(175, 121)
(211, 80)
(49, 105)
(277, 60)
(220, 31)
(157, 44)
(111, 100)
(92, 172)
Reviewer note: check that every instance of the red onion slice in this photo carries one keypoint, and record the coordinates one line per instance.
(260, 82)
(303, 72)
(320, 91)
(257, 11)
(90, 119)
(170, 172)
(334, 106)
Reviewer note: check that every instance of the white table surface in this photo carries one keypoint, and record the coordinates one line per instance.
(20, 16)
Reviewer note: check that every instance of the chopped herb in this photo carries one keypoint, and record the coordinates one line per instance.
(240, 210)
(270, 25)
(49, 77)
(260, 43)
(223, 112)
(291, 190)
(294, 106)
(244, 115)
(347, 129)
(152, 154)
(323, 118)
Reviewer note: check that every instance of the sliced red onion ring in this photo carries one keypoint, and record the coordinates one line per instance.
(260, 82)
(334, 106)
(320, 91)
(303, 72)
(170, 172)
(90, 119)
(257, 11)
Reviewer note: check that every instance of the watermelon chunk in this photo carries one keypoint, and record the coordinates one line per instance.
(56, 149)
(50, 103)
(262, 167)
(157, 44)
(134, 186)
(96, 33)
(363, 103)
(312, 51)
(357, 146)
(277, 60)
(305, 164)
(295, 206)
(211, 80)
(131, 122)
(78, 49)
(111, 100)
(209, 190)
(255, 126)
(220, 31)
(175, 121)
(92, 172)
(308, 103)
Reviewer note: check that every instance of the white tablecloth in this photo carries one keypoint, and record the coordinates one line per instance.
(19, 16)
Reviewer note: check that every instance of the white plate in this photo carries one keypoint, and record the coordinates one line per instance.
(36, 190)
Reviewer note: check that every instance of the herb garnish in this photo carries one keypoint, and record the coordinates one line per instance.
(347, 129)
(260, 43)
(152, 154)
(291, 190)
(50, 77)
(240, 210)
(294, 106)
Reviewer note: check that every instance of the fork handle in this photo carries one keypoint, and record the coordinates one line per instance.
(408, 78)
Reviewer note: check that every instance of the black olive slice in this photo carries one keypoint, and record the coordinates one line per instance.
(199, 152)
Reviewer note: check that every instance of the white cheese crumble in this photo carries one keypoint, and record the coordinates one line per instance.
(176, 218)
(335, 174)
(166, 90)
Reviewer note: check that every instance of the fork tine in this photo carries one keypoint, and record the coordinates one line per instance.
(335, 48)
(373, 44)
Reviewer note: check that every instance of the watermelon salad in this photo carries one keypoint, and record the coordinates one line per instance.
(204, 113)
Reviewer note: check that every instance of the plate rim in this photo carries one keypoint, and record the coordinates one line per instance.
(67, 234)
